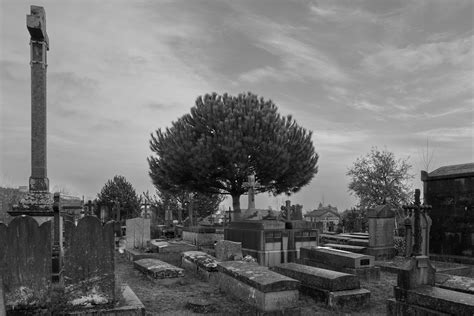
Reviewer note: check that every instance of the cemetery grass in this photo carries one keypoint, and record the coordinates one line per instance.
(189, 295)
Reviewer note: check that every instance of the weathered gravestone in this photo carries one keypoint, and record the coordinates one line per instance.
(89, 264)
(25, 263)
(138, 232)
(381, 229)
(228, 250)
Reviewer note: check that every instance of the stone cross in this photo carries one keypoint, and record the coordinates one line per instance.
(251, 185)
(286, 210)
(417, 208)
(39, 45)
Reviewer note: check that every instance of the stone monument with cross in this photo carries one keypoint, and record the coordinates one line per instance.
(291, 212)
(251, 185)
(39, 201)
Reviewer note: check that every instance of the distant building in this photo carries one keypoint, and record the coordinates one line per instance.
(327, 215)
(450, 190)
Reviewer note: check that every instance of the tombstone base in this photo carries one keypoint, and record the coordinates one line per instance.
(39, 184)
(381, 253)
(35, 203)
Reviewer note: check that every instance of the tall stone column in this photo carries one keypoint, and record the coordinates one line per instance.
(39, 45)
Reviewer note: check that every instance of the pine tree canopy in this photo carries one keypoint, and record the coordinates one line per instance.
(118, 192)
(215, 147)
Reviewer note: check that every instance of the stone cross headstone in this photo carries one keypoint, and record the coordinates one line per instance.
(251, 185)
(39, 45)
(286, 210)
(417, 240)
(168, 216)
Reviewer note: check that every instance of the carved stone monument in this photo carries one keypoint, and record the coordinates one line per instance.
(38, 202)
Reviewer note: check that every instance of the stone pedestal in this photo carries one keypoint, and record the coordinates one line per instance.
(381, 229)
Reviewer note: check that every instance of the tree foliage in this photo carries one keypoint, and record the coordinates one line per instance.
(355, 220)
(378, 177)
(215, 147)
(203, 204)
(119, 194)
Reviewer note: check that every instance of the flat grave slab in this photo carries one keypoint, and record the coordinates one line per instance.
(397, 263)
(200, 263)
(337, 258)
(349, 298)
(320, 278)
(358, 242)
(158, 269)
(336, 289)
(355, 236)
(350, 248)
(438, 299)
(455, 283)
(266, 290)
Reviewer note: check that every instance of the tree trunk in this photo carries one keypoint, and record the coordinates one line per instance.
(236, 214)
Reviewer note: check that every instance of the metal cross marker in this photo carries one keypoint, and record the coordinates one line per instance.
(417, 208)
(251, 185)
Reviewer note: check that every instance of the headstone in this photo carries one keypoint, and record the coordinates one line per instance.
(228, 250)
(89, 266)
(138, 232)
(25, 263)
(381, 229)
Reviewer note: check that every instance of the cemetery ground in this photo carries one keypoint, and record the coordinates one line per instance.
(189, 295)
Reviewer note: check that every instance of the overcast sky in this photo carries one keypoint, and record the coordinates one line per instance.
(358, 74)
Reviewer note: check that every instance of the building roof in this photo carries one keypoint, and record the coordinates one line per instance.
(321, 212)
(453, 170)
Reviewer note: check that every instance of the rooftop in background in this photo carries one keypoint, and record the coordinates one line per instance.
(323, 210)
(466, 169)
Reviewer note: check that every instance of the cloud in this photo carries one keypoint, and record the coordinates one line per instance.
(449, 134)
(298, 60)
(414, 58)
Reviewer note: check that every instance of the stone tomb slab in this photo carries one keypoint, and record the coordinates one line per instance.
(319, 278)
(337, 258)
(256, 285)
(350, 248)
(158, 269)
(455, 283)
(437, 299)
(200, 263)
(336, 289)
